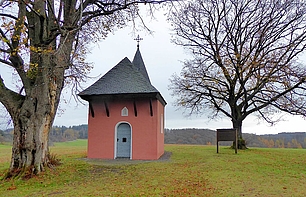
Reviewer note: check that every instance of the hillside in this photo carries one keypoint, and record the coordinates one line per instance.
(208, 137)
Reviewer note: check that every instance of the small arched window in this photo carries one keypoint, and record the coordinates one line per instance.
(124, 112)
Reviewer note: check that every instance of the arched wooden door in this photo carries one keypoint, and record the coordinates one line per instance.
(123, 148)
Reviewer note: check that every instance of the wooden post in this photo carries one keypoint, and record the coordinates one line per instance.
(236, 140)
(217, 143)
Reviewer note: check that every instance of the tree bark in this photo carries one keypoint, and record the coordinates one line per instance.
(32, 122)
(237, 124)
(33, 114)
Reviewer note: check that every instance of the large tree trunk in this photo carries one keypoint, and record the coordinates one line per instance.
(237, 124)
(30, 147)
(33, 116)
(32, 123)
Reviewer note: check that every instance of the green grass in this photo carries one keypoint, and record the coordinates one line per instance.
(191, 171)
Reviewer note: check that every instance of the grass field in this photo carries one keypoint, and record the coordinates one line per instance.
(191, 171)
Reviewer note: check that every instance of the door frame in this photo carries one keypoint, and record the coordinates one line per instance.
(115, 139)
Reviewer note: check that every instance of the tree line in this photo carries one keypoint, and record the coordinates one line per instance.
(57, 134)
(62, 133)
(180, 136)
(208, 137)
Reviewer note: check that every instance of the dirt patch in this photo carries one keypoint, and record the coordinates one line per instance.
(103, 169)
(55, 193)
(125, 161)
(165, 157)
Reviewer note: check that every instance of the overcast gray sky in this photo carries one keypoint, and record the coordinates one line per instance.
(162, 59)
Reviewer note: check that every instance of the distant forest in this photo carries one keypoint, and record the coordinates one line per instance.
(208, 137)
(181, 136)
(57, 134)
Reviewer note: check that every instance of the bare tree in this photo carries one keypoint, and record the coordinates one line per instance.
(45, 43)
(245, 58)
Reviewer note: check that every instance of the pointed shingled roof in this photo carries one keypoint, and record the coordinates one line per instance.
(124, 78)
(139, 64)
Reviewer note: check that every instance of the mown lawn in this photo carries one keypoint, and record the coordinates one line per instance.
(191, 171)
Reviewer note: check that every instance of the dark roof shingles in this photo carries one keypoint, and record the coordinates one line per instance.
(139, 64)
(124, 78)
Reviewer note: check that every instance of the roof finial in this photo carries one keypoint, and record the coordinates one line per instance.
(138, 39)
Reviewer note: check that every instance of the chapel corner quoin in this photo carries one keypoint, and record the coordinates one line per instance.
(126, 114)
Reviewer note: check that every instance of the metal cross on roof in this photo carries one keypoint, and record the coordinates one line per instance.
(138, 39)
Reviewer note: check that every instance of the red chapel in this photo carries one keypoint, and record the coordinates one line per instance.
(126, 114)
